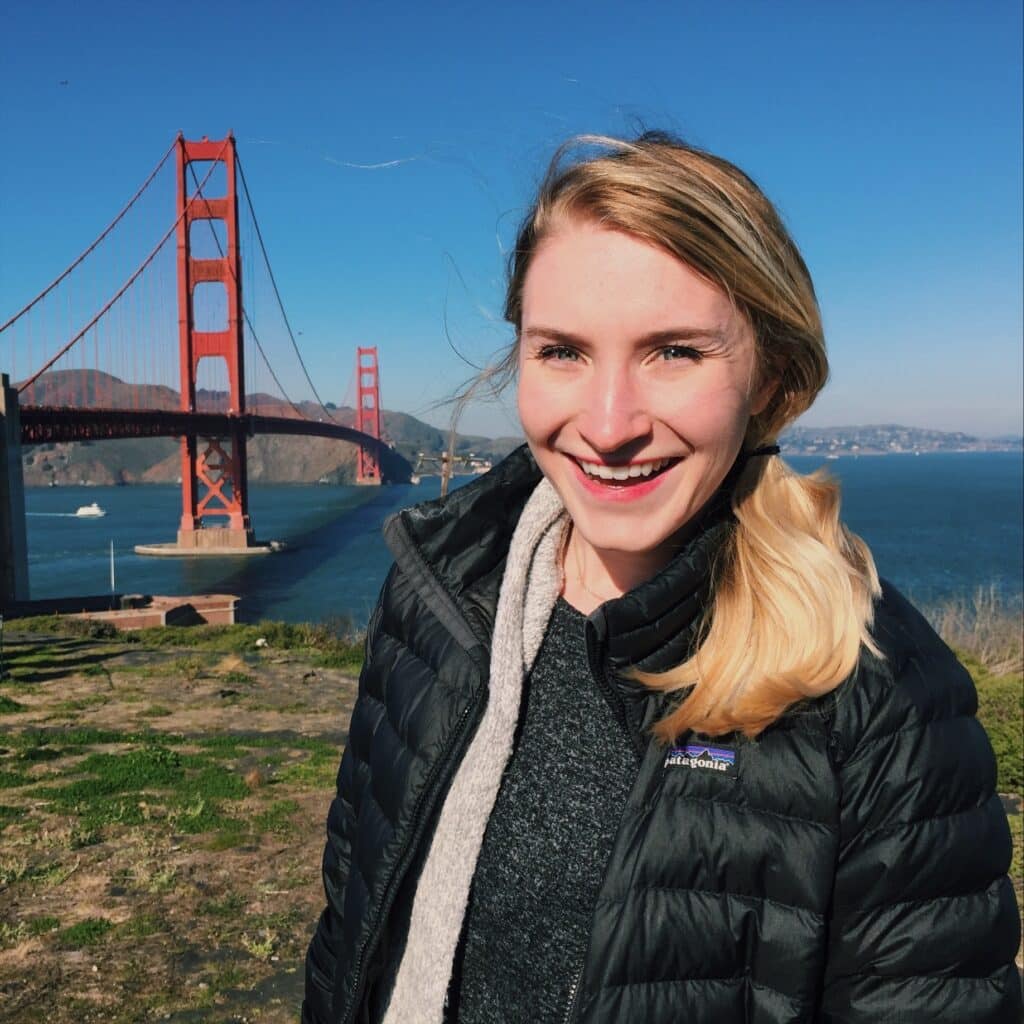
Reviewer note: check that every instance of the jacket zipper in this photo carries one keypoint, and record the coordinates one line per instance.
(574, 993)
(402, 864)
(595, 648)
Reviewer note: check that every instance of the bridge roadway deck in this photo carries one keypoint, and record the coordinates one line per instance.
(52, 424)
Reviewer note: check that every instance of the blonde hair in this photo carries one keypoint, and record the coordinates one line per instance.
(793, 589)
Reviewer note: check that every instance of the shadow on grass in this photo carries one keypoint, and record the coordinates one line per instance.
(45, 666)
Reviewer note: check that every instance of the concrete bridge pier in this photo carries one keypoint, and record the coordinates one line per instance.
(13, 540)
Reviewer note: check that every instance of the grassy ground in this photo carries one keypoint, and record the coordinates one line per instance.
(161, 822)
(162, 805)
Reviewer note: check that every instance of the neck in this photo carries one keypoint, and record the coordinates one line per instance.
(594, 576)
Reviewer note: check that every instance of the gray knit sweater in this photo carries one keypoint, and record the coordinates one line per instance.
(546, 843)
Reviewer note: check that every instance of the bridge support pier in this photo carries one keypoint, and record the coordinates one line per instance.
(13, 538)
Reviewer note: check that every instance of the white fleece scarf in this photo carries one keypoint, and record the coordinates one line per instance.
(529, 590)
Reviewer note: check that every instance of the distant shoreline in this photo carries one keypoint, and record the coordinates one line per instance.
(846, 454)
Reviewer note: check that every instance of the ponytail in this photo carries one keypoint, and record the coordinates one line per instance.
(792, 607)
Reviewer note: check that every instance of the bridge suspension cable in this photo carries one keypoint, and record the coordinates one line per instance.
(245, 312)
(277, 293)
(106, 231)
(131, 280)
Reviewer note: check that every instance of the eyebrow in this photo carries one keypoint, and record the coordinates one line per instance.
(662, 337)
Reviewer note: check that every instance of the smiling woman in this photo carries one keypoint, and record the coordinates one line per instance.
(640, 736)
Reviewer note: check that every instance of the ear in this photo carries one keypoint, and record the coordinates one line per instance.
(763, 394)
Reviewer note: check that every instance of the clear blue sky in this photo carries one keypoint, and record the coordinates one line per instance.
(889, 134)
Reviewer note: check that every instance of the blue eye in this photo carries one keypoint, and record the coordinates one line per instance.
(674, 352)
(558, 353)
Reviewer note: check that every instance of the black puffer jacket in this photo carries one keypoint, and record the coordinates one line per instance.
(849, 867)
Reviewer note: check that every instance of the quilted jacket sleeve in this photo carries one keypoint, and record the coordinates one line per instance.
(353, 777)
(924, 924)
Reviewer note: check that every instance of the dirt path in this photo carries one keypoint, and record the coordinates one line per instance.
(161, 827)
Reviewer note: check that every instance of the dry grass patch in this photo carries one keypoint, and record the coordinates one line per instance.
(160, 856)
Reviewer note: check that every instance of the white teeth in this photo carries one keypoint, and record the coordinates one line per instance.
(623, 472)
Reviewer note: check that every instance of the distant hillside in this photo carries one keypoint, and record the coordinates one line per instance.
(886, 439)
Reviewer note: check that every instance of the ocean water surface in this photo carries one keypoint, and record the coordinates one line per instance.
(940, 526)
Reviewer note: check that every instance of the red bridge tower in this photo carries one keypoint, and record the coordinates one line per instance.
(367, 413)
(213, 469)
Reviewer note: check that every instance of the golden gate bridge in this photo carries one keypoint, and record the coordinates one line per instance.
(161, 340)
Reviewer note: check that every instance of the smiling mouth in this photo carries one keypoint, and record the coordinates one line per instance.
(626, 476)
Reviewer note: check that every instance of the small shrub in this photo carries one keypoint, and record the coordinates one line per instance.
(191, 668)
(199, 815)
(42, 925)
(162, 880)
(216, 783)
(260, 946)
(11, 780)
(230, 837)
(1001, 711)
(277, 818)
(225, 744)
(1017, 864)
(318, 771)
(12, 934)
(150, 766)
(984, 626)
(9, 706)
(230, 905)
(63, 625)
(81, 837)
(238, 678)
(14, 869)
(143, 925)
(89, 932)
(54, 874)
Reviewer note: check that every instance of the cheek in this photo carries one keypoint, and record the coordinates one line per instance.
(711, 416)
(540, 403)
(528, 407)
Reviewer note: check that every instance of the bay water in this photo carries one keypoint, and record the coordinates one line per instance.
(940, 525)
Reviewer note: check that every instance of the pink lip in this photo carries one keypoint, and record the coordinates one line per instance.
(634, 492)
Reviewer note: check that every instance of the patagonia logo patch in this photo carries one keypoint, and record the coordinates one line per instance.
(703, 757)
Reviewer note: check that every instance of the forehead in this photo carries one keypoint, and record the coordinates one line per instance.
(599, 280)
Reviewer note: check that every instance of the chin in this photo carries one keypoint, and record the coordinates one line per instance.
(634, 535)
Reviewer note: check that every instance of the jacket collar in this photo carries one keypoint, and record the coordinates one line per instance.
(656, 625)
(465, 537)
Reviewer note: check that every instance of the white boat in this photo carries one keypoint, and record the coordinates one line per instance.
(92, 511)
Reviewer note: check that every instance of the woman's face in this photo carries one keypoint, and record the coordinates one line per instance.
(636, 383)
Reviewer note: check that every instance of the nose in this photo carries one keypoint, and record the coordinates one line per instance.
(615, 413)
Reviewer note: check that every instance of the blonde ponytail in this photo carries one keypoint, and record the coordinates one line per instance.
(792, 607)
